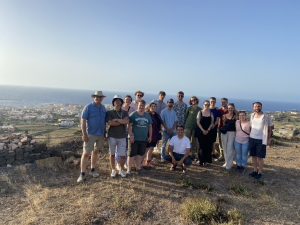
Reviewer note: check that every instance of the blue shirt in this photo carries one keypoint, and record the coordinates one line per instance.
(169, 117)
(95, 116)
(216, 112)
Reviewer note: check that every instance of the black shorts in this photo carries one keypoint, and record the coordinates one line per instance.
(137, 148)
(152, 144)
(256, 148)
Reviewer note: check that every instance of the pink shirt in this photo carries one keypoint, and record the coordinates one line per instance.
(240, 136)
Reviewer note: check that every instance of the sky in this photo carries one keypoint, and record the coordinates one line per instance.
(237, 49)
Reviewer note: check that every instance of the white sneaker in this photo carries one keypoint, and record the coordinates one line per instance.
(122, 173)
(113, 173)
(94, 174)
(80, 179)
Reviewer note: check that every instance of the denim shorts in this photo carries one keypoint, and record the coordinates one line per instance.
(256, 148)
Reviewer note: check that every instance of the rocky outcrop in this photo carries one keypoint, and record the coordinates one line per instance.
(20, 148)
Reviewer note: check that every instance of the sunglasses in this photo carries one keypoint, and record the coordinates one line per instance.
(139, 95)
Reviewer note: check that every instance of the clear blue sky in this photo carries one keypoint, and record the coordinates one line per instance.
(241, 49)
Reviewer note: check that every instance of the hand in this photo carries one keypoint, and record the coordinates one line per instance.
(85, 138)
(149, 139)
(269, 142)
(131, 139)
(205, 132)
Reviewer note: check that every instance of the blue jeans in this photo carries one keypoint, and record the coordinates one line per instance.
(178, 157)
(242, 153)
(165, 138)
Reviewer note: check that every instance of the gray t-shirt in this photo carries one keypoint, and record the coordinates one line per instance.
(117, 131)
(140, 125)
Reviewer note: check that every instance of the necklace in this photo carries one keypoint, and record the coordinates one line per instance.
(119, 115)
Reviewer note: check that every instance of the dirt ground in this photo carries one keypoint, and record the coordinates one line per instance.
(29, 195)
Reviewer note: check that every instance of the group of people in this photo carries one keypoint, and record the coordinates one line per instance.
(133, 129)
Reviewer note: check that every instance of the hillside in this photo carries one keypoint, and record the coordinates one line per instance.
(30, 194)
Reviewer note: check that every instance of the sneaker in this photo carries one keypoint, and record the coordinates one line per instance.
(221, 158)
(253, 174)
(162, 160)
(113, 173)
(80, 179)
(122, 173)
(94, 174)
(183, 169)
(172, 168)
(224, 165)
(128, 172)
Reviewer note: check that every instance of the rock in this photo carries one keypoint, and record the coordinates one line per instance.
(24, 140)
(8, 165)
(32, 142)
(13, 146)
(53, 163)
(25, 168)
(71, 162)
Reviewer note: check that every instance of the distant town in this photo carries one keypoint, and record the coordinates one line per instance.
(17, 119)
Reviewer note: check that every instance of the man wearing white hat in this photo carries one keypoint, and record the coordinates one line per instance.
(117, 134)
(93, 121)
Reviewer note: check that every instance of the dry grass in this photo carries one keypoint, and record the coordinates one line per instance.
(159, 196)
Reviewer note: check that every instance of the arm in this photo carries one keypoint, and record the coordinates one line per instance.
(130, 132)
(85, 137)
(217, 122)
(198, 122)
(186, 154)
(212, 125)
(176, 122)
(170, 150)
(118, 122)
(150, 133)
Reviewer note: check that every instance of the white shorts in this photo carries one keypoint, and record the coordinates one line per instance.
(117, 145)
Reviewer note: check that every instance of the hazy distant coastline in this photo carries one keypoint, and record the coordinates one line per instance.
(20, 96)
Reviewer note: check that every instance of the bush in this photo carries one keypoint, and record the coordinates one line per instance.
(200, 211)
(204, 211)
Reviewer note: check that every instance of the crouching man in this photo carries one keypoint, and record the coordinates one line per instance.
(179, 150)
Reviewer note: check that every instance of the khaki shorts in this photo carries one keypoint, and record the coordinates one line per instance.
(95, 143)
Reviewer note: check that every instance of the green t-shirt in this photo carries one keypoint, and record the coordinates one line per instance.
(117, 131)
(191, 117)
(140, 125)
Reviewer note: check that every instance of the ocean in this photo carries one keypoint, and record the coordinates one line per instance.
(19, 96)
